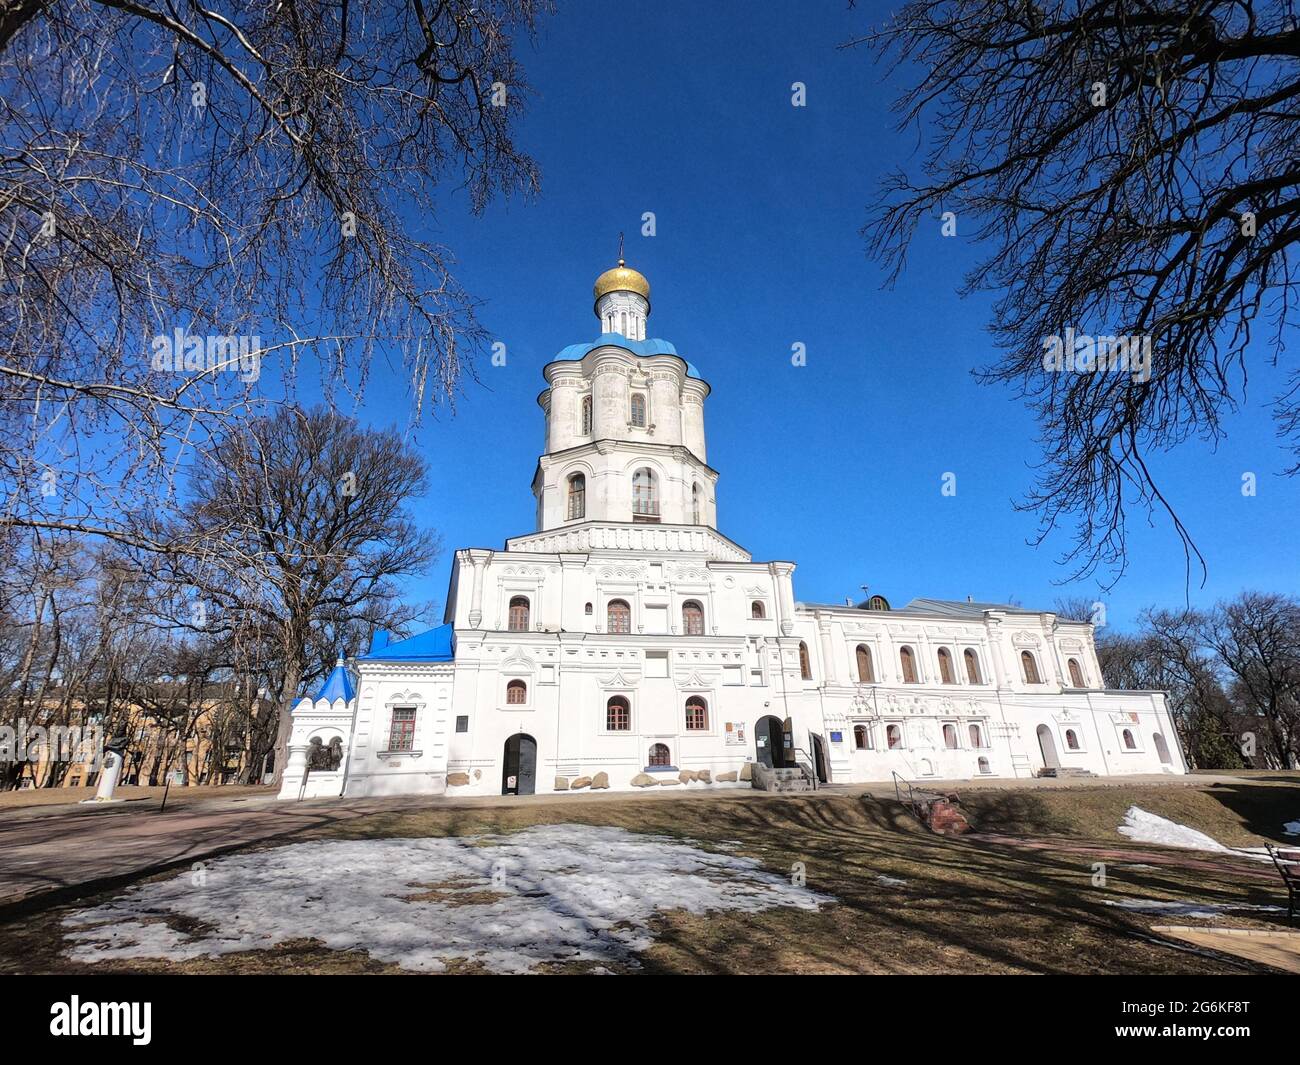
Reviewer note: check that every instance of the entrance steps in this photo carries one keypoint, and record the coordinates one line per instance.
(789, 778)
(1066, 774)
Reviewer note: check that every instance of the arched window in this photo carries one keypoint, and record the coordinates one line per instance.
(577, 496)
(1030, 668)
(805, 665)
(950, 737)
(697, 714)
(861, 738)
(645, 495)
(1076, 674)
(519, 614)
(908, 661)
(984, 765)
(618, 714)
(976, 735)
(972, 666)
(1071, 739)
(757, 610)
(946, 674)
(866, 675)
(695, 504)
(894, 736)
(1130, 744)
(618, 616)
(638, 410)
(516, 693)
(659, 755)
(587, 610)
(586, 415)
(692, 618)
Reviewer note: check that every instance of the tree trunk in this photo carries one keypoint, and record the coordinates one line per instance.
(284, 724)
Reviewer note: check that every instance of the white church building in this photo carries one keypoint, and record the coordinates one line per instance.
(627, 642)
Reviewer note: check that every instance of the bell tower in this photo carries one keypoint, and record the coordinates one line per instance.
(624, 423)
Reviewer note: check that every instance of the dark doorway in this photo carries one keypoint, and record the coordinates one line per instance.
(769, 742)
(819, 759)
(519, 772)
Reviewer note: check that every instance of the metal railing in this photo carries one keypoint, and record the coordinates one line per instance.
(898, 793)
(808, 766)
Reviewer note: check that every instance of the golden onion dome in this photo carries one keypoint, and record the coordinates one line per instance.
(622, 279)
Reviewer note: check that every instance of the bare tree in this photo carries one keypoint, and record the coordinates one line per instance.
(1257, 639)
(1170, 655)
(194, 196)
(1130, 166)
(306, 524)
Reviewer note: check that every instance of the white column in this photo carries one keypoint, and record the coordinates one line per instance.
(108, 777)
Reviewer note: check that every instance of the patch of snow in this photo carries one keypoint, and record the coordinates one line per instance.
(1204, 910)
(1143, 827)
(890, 881)
(550, 893)
(1292, 828)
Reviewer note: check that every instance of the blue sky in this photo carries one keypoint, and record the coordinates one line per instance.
(684, 109)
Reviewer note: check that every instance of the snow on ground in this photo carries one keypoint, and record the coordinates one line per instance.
(1204, 910)
(547, 893)
(890, 881)
(1292, 828)
(1143, 827)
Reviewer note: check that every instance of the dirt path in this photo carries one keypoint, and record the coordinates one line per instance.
(71, 851)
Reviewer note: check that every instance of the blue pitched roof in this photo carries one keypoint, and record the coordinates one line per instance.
(433, 646)
(338, 685)
(653, 346)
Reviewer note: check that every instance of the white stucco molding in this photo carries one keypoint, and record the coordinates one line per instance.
(595, 537)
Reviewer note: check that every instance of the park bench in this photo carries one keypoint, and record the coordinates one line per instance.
(1288, 865)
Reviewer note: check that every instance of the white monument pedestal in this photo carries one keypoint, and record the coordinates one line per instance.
(107, 779)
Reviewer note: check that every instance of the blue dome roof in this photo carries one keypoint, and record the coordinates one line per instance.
(654, 346)
(338, 685)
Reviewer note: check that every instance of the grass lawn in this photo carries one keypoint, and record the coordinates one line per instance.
(1017, 896)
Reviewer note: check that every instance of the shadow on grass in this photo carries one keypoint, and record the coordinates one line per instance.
(965, 905)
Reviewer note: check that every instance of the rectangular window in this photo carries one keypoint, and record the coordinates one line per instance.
(462, 723)
(401, 736)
